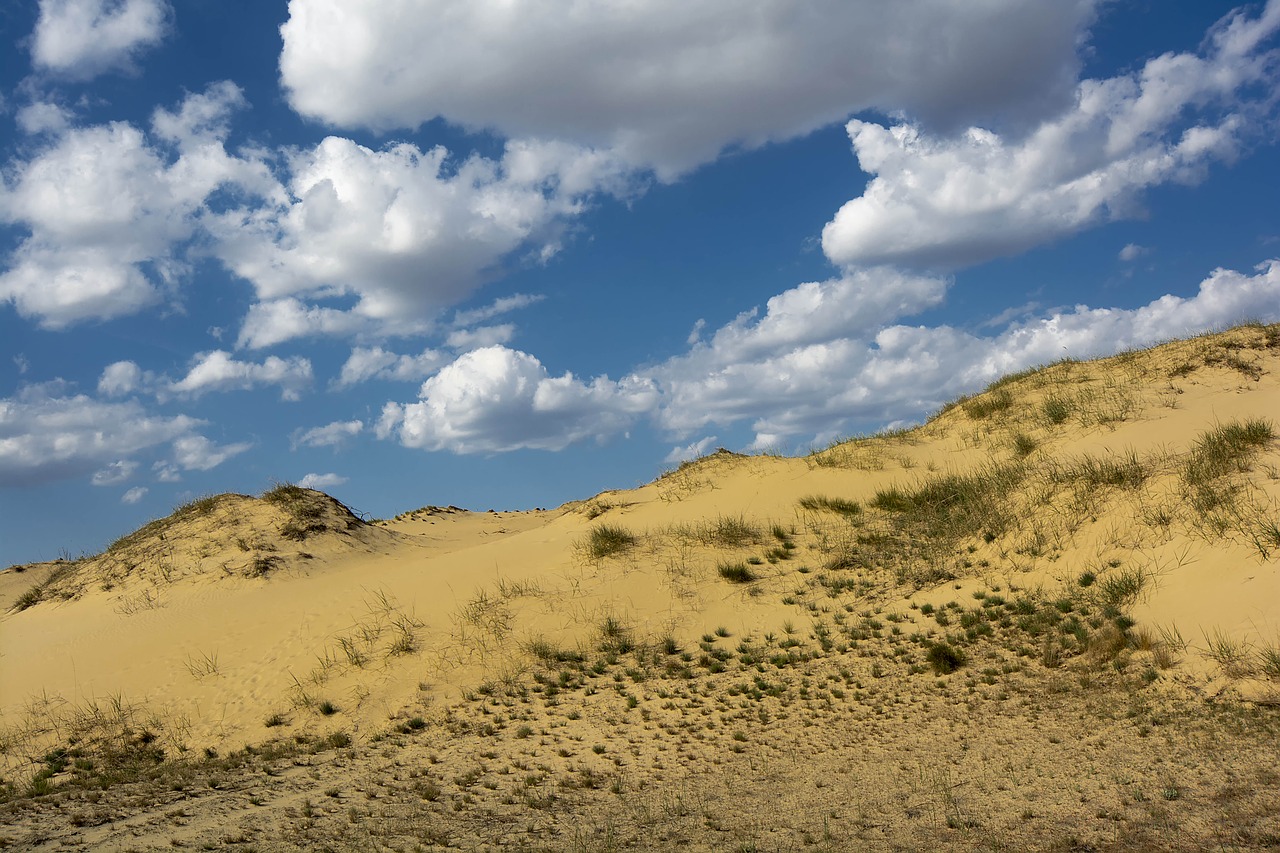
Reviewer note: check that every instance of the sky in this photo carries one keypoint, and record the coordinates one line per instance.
(505, 254)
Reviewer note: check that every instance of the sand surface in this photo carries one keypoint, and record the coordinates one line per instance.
(504, 678)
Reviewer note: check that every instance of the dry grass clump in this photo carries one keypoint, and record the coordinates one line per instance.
(735, 572)
(1226, 449)
(608, 540)
(824, 503)
(950, 507)
(306, 510)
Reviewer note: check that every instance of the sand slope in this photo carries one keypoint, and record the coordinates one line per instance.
(1069, 530)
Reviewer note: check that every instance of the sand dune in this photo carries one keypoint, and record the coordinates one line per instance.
(960, 634)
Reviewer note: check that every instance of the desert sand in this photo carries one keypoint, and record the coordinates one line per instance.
(1048, 618)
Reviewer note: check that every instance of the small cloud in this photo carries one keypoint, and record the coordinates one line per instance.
(321, 481)
(43, 118)
(485, 336)
(696, 334)
(115, 473)
(195, 452)
(20, 362)
(120, 378)
(689, 451)
(166, 472)
(134, 495)
(329, 435)
(497, 308)
(1133, 251)
(376, 363)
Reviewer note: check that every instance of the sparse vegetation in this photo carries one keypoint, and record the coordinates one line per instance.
(823, 503)
(608, 540)
(735, 572)
(982, 617)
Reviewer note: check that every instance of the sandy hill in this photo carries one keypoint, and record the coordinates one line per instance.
(1049, 618)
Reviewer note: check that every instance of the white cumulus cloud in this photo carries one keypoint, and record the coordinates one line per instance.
(220, 371)
(1132, 251)
(120, 378)
(683, 453)
(876, 374)
(367, 363)
(134, 495)
(47, 435)
(498, 399)
(329, 435)
(115, 473)
(83, 38)
(944, 202)
(672, 83)
(197, 453)
(321, 481)
(404, 232)
(106, 211)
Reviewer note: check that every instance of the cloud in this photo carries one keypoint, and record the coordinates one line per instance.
(498, 399)
(278, 320)
(80, 39)
(755, 364)
(689, 451)
(115, 473)
(166, 472)
(497, 308)
(107, 212)
(47, 435)
(788, 386)
(670, 84)
(197, 453)
(941, 202)
(1132, 251)
(367, 363)
(403, 232)
(485, 336)
(43, 117)
(321, 481)
(134, 495)
(329, 435)
(220, 371)
(120, 378)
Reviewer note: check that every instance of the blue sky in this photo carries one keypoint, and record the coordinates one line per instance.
(472, 252)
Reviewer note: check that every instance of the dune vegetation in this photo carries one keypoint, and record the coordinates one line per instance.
(1046, 619)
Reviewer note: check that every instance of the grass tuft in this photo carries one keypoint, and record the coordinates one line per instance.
(609, 540)
(823, 503)
(735, 572)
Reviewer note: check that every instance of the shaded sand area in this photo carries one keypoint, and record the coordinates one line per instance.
(1049, 618)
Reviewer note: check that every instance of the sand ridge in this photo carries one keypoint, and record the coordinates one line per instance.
(1054, 551)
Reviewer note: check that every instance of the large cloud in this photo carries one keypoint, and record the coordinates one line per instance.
(46, 434)
(671, 83)
(82, 38)
(498, 399)
(869, 374)
(403, 232)
(945, 202)
(105, 209)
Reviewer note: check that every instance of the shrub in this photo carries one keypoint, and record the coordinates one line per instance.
(946, 658)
